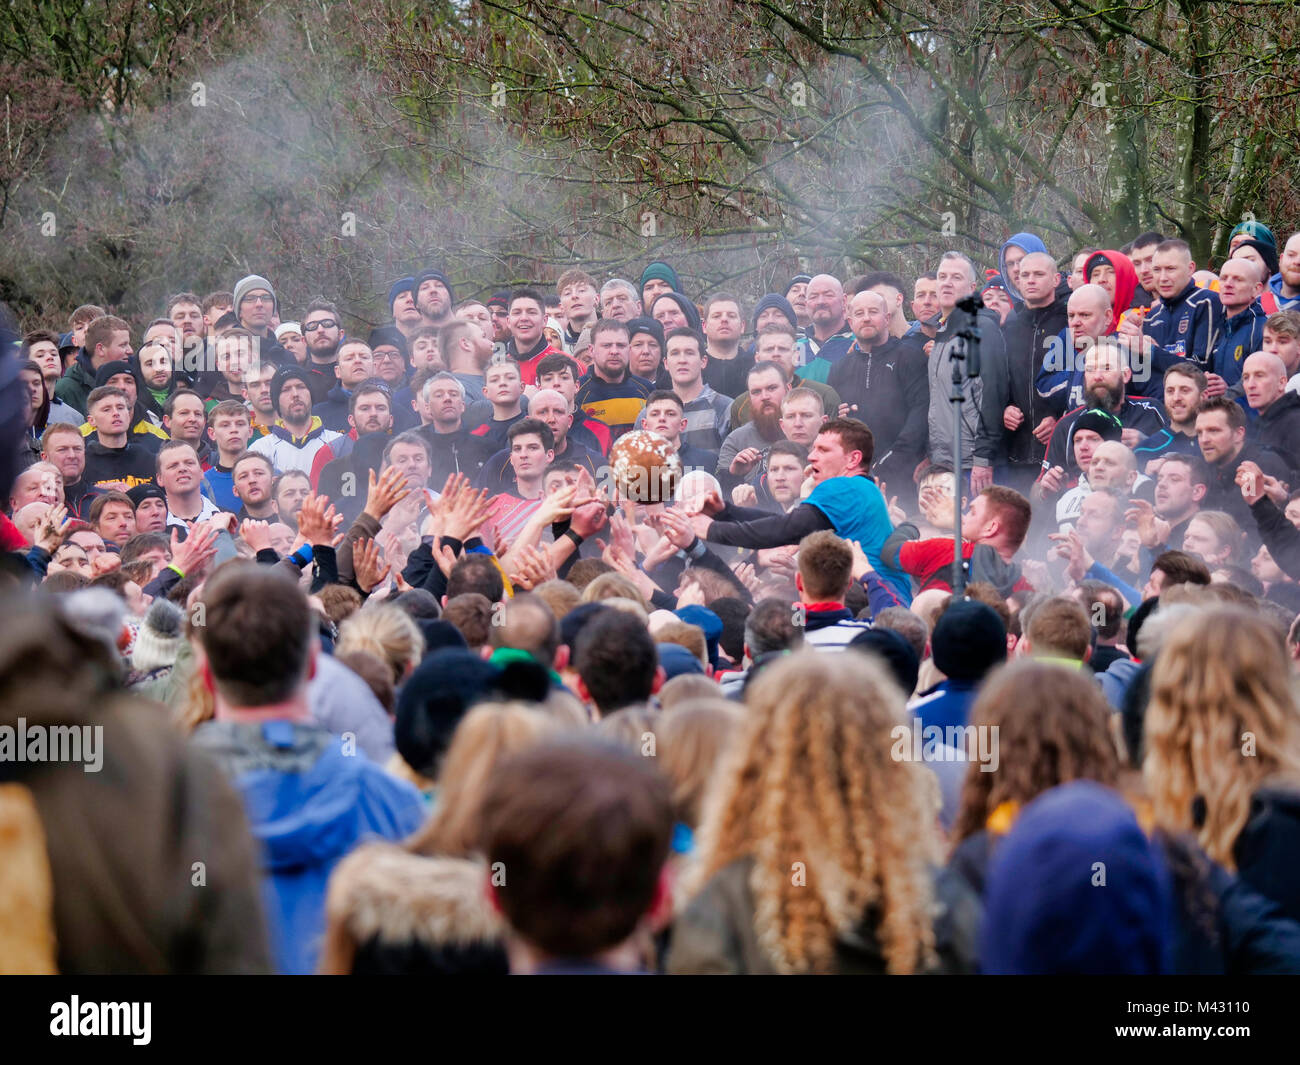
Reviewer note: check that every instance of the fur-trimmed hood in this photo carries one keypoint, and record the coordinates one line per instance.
(383, 892)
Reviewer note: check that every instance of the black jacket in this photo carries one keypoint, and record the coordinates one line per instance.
(1030, 335)
(891, 389)
(1267, 845)
(458, 452)
(1224, 493)
(104, 465)
(1278, 428)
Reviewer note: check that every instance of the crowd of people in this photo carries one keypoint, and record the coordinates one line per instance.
(396, 674)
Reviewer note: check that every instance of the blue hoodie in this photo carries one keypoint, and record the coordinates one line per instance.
(1284, 303)
(1076, 887)
(1026, 242)
(309, 801)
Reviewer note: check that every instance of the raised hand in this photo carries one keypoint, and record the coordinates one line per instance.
(1152, 530)
(256, 534)
(192, 555)
(369, 565)
(385, 492)
(745, 461)
(52, 528)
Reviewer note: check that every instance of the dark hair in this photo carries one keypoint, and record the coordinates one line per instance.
(770, 627)
(1187, 368)
(476, 573)
(257, 634)
(1179, 567)
(557, 362)
(1198, 470)
(182, 297)
(170, 405)
(101, 501)
(1173, 244)
(616, 661)
(693, 334)
(1100, 594)
(659, 395)
(583, 831)
(733, 613)
(1145, 240)
(609, 325)
(142, 542)
(527, 294)
(826, 565)
(105, 392)
(854, 436)
(471, 615)
(1060, 625)
(788, 447)
(1231, 409)
(532, 427)
(1013, 510)
(370, 386)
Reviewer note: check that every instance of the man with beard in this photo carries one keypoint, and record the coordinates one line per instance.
(467, 351)
(254, 301)
(181, 477)
(744, 452)
(883, 381)
(293, 442)
(1221, 434)
(64, 447)
(1184, 387)
(828, 337)
(289, 490)
(355, 363)
(656, 279)
(1031, 336)
(1285, 284)
(453, 447)
(778, 343)
(401, 302)
(322, 328)
(433, 298)
(157, 375)
(1106, 375)
(370, 412)
(727, 367)
(610, 393)
(527, 345)
(253, 477)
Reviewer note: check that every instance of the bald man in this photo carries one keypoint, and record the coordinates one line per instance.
(829, 336)
(883, 381)
(1240, 286)
(1060, 379)
(1032, 336)
(552, 408)
(1264, 378)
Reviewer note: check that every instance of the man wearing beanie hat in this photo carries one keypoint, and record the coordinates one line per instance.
(150, 504)
(646, 356)
(969, 639)
(297, 435)
(796, 292)
(672, 311)
(1251, 230)
(498, 305)
(143, 431)
(656, 279)
(1106, 375)
(157, 642)
(433, 298)
(401, 304)
(255, 307)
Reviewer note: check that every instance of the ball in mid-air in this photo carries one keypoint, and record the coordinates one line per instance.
(645, 466)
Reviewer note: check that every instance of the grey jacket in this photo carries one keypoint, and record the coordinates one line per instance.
(986, 397)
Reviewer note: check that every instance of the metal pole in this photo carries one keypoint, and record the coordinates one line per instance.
(958, 570)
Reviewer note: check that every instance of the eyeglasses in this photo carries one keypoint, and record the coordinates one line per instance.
(258, 299)
(388, 356)
(324, 323)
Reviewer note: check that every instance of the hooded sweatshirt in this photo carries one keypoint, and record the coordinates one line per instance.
(309, 803)
(1028, 243)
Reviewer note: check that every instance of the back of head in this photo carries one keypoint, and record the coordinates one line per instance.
(1059, 628)
(387, 631)
(688, 687)
(257, 634)
(1052, 726)
(582, 831)
(1077, 887)
(617, 661)
(525, 623)
(433, 701)
(691, 742)
(968, 640)
(476, 573)
(910, 626)
(770, 627)
(471, 614)
(825, 566)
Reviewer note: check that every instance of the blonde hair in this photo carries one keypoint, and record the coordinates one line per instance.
(612, 586)
(809, 789)
(387, 632)
(691, 743)
(486, 735)
(1222, 721)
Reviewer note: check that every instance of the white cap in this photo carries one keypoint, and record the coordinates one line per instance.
(287, 327)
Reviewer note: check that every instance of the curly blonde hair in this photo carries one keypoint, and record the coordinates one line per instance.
(1053, 726)
(809, 786)
(1222, 721)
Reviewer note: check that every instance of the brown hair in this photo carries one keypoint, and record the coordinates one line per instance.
(586, 570)
(1053, 726)
(583, 832)
(339, 602)
(85, 314)
(560, 596)
(574, 274)
(1060, 626)
(826, 566)
(471, 613)
(688, 687)
(853, 436)
(1222, 721)
(1179, 567)
(1230, 408)
(374, 671)
(257, 633)
(1284, 323)
(1012, 509)
(683, 635)
(101, 331)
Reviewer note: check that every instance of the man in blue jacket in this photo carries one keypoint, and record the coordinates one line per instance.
(310, 796)
(1187, 321)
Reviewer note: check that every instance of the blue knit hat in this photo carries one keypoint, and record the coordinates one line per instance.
(645, 325)
(688, 308)
(707, 622)
(1077, 887)
(774, 299)
(798, 279)
(402, 284)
